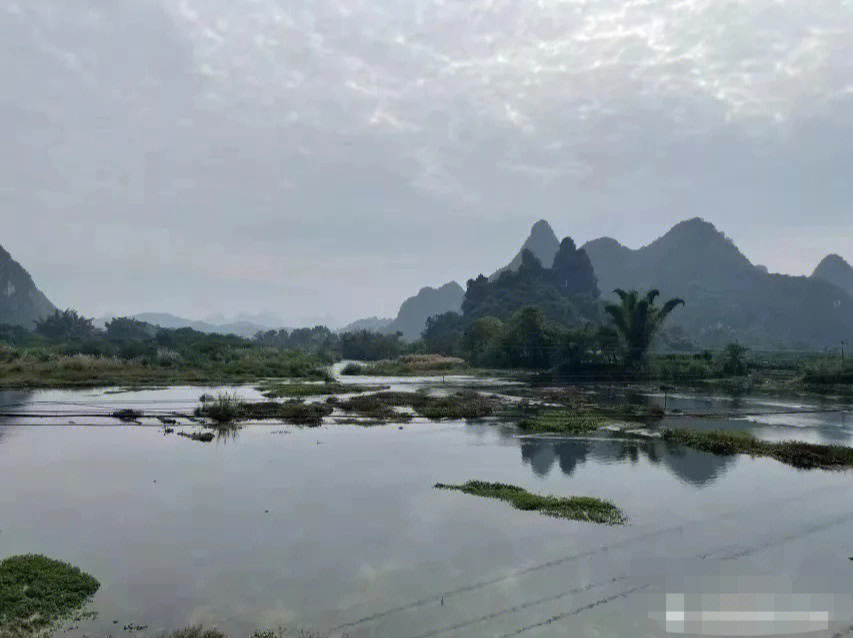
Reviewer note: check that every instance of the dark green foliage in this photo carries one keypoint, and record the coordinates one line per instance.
(443, 334)
(733, 359)
(127, 329)
(364, 345)
(65, 325)
(796, 453)
(637, 319)
(566, 294)
(132, 352)
(37, 592)
(353, 369)
(318, 340)
(579, 508)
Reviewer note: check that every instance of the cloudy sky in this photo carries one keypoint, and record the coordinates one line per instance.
(324, 159)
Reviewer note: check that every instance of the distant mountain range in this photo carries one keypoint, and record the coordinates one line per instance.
(21, 303)
(165, 320)
(371, 324)
(726, 296)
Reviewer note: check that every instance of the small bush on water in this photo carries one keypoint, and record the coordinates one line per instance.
(223, 408)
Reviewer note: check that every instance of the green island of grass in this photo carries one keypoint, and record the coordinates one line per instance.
(564, 421)
(796, 453)
(37, 592)
(578, 508)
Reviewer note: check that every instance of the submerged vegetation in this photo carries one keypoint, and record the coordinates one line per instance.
(579, 508)
(795, 453)
(37, 592)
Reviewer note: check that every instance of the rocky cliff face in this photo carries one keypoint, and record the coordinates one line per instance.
(21, 303)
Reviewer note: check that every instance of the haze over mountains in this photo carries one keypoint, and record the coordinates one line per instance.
(836, 271)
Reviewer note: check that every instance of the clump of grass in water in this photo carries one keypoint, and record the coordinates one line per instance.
(564, 421)
(36, 592)
(578, 508)
(795, 453)
(224, 408)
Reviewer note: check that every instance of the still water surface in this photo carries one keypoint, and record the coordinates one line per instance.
(338, 528)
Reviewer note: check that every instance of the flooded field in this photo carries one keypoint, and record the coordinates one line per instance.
(338, 528)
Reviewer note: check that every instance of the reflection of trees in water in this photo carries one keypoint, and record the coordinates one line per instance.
(691, 466)
(11, 401)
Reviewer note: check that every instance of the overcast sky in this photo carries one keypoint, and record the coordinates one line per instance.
(326, 158)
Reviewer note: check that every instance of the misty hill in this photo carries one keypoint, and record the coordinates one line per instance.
(542, 243)
(836, 271)
(371, 324)
(165, 320)
(21, 303)
(726, 296)
(565, 290)
(413, 314)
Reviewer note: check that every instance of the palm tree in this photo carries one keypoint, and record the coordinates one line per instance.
(637, 320)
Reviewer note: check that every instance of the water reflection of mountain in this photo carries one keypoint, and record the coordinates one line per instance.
(690, 466)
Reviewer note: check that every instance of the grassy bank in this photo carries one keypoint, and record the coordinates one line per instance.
(795, 453)
(50, 370)
(37, 592)
(578, 508)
